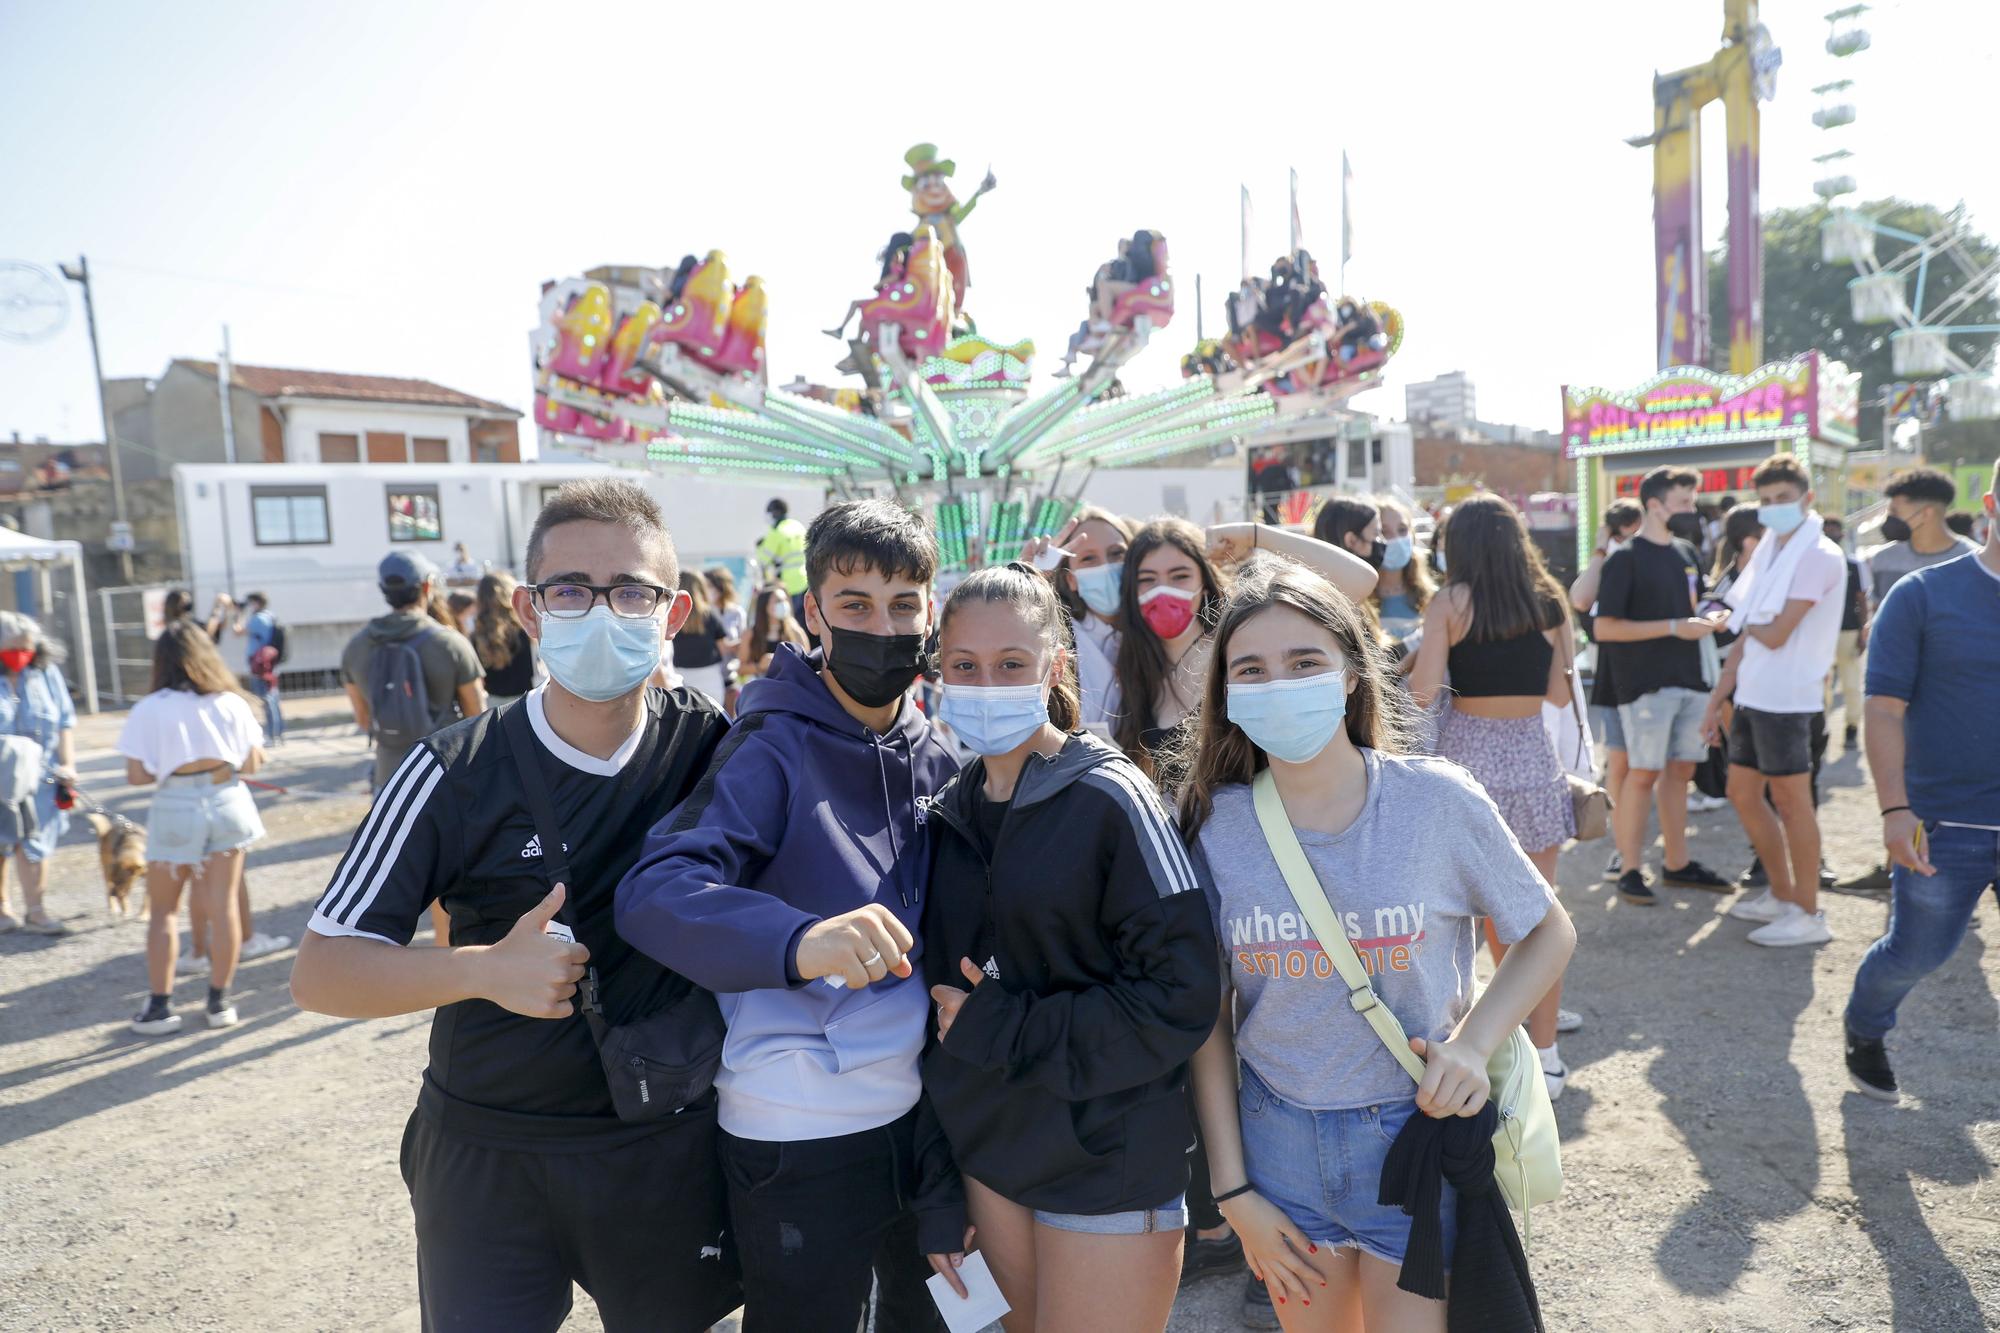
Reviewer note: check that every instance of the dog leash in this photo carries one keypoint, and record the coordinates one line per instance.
(92, 805)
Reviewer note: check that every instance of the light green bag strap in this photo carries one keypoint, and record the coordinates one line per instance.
(1307, 892)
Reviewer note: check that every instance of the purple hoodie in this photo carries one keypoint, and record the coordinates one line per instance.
(804, 814)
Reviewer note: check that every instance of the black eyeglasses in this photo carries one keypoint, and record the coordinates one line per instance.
(572, 601)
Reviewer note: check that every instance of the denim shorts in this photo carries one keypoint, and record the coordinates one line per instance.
(1777, 745)
(1604, 721)
(1169, 1216)
(194, 818)
(1323, 1170)
(1664, 726)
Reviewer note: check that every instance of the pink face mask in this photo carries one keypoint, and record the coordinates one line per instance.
(1167, 610)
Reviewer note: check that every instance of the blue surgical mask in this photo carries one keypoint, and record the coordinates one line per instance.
(1397, 552)
(1437, 558)
(1292, 720)
(601, 656)
(993, 719)
(1781, 519)
(1101, 587)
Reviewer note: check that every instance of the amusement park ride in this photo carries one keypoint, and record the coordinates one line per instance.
(1920, 347)
(665, 368)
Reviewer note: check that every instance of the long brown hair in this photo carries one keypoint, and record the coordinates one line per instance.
(1379, 717)
(184, 658)
(1498, 564)
(695, 585)
(1417, 583)
(1066, 587)
(723, 584)
(1739, 527)
(767, 633)
(1029, 596)
(1142, 659)
(497, 632)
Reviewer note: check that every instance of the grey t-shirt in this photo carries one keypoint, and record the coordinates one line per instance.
(1428, 854)
(1890, 563)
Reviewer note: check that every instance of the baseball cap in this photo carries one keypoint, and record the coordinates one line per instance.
(403, 569)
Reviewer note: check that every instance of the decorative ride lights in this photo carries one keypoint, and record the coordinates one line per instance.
(665, 368)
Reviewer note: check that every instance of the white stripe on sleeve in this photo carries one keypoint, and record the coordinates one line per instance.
(1143, 808)
(392, 808)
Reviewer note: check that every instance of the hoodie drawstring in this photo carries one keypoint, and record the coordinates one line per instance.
(889, 814)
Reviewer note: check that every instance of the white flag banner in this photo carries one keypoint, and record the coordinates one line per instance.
(1245, 219)
(1346, 209)
(1297, 230)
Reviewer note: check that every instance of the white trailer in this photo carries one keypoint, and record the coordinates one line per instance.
(310, 535)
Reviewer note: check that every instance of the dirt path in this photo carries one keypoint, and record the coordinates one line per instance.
(1720, 1174)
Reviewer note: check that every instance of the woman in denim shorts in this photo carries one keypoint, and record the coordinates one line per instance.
(1073, 964)
(1409, 852)
(195, 735)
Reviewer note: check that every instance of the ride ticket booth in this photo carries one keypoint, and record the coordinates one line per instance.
(1720, 425)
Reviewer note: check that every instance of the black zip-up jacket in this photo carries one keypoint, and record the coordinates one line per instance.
(1062, 1084)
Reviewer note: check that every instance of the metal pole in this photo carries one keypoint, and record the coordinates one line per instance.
(223, 375)
(1197, 307)
(80, 274)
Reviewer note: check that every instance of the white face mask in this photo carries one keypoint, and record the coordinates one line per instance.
(1615, 547)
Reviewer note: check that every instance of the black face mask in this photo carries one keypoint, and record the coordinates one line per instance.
(1376, 550)
(1895, 529)
(874, 669)
(1685, 526)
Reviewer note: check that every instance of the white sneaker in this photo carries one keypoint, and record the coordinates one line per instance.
(225, 1017)
(1700, 804)
(1761, 906)
(155, 1027)
(1796, 926)
(1557, 1080)
(1568, 1020)
(260, 944)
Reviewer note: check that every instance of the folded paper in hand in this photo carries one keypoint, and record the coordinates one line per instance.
(983, 1303)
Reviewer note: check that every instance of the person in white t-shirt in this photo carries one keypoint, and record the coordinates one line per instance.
(1787, 610)
(195, 736)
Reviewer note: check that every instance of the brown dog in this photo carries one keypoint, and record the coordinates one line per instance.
(121, 846)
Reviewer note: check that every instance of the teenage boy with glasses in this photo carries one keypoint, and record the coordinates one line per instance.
(522, 1176)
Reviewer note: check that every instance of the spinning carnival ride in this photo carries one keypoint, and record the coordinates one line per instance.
(1936, 338)
(665, 368)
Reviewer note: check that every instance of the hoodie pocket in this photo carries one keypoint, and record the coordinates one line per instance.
(881, 1023)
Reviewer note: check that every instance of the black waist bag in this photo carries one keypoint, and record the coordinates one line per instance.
(655, 1065)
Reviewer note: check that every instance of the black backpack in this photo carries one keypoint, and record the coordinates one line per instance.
(278, 641)
(399, 700)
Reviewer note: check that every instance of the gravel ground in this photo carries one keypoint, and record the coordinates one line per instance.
(1720, 1173)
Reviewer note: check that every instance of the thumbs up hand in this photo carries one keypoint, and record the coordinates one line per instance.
(531, 972)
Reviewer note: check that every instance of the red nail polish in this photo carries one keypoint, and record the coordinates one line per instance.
(1306, 1299)
(1312, 1249)
(1281, 1300)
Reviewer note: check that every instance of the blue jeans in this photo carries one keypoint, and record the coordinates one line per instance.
(1928, 915)
(274, 716)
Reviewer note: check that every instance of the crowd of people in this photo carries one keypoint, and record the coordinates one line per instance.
(893, 931)
(875, 983)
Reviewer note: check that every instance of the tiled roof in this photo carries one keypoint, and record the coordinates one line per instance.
(273, 382)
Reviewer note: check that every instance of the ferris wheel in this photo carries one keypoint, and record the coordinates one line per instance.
(1926, 284)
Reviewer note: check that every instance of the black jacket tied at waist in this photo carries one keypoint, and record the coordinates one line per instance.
(1491, 1291)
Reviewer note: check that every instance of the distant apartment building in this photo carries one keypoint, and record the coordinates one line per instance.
(278, 415)
(63, 491)
(1444, 401)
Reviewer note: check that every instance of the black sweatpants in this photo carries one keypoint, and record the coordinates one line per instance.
(502, 1234)
(815, 1219)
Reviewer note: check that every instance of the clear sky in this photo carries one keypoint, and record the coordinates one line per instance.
(381, 187)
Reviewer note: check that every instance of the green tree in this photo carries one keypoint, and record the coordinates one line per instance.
(1806, 304)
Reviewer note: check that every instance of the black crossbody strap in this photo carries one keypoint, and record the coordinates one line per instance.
(555, 855)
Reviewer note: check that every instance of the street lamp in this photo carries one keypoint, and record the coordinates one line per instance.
(79, 273)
